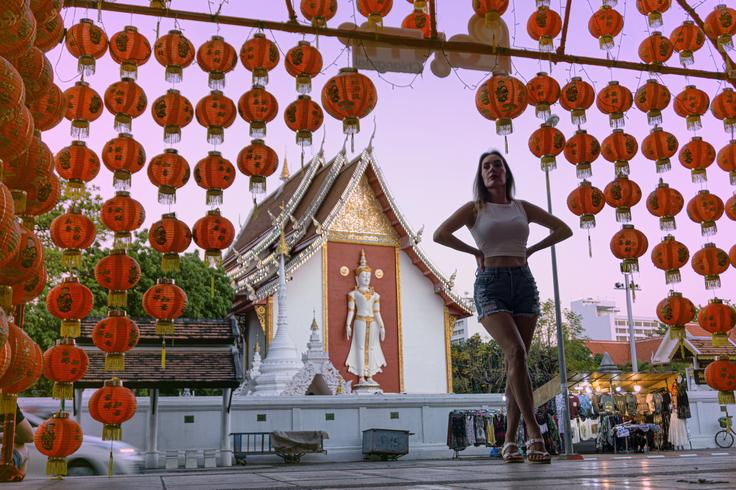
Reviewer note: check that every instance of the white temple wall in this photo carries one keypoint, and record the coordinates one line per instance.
(255, 334)
(422, 320)
(304, 299)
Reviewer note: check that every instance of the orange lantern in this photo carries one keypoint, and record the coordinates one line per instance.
(175, 52)
(618, 148)
(168, 171)
(69, 301)
(88, 43)
(16, 132)
(13, 94)
(57, 438)
(350, 96)
(655, 49)
(586, 201)
(622, 194)
(670, 256)
(48, 110)
(259, 55)
(77, 164)
(36, 71)
(576, 97)
(27, 291)
(732, 255)
(30, 372)
(542, 91)
(112, 405)
(123, 156)
(543, 26)
(304, 62)
(581, 150)
(36, 162)
(64, 364)
(257, 161)
(687, 39)
(164, 301)
(72, 232)
(376, 10)
(490, 9)
(215, 112)
(17, 38)
(697, 155)
(710, 261)
(26, 263)
(213, 233)
(500, 99)
(675, 311)
(628, 244)
(419, 20)
(115, 335)
(117, 273)
(730, 207)
(130, 49)
(215, 174)
(726, 160)
(169, 236)
(717, 319)
(652, 98)
(720, 26)
(216, 57)
(122, 214)
(45, 10)
(318, 11)
(660, 146)
(257, 106)
(705, 208)
(22, 366)
(653, 9)
(724, 108)
(49, 34)
(546, 142)
(304, 116)
(721, 375)
(42, 194)
(172, 111)
(605, 24)
(614, 100)
(692, 103)
(126, 100)
(84, 105)
(665, 202)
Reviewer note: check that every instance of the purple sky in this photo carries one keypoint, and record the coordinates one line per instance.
(430, 135)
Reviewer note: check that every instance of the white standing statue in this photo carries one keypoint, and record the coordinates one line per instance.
(364, 326)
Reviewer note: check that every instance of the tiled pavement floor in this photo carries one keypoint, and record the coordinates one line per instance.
(701, 469)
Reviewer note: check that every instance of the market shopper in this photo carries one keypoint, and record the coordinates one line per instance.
(506, 296)
(23, 435)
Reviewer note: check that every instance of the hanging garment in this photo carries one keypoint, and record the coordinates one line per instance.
(586, 406)
(574, 406)
(470, 429)
(657, 402)
(479, 423)
(631, 405)
(666, 402)
(490, 432)
(620, 401)
(678, 435)
(586, 429)
(642, 407)
(683, 403)
(575, 430)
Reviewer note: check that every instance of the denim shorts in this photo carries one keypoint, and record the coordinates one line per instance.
(506, 289)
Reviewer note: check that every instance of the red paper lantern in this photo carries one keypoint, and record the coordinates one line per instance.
(720, 26)
(605, 24)
(665, 202)
(351, 96)
(724, 108)
(692, 103)
(619, 148)
(721, 375)
(72, 232)
(126, 100)
(77, 164)
(49, 34)
(318, 11)
(614, 100)
(172, 112)
(169, 236)
(490, 9)
(259, 55)
(500, 99)
(215, 112)
(216, 57)
(705, 208)
(168, 171)
(115, 335)
(652, 98)
(710, 261)
(675, 311)
(123, 156)
(686, 39)
(27, 291)
(586, 201)
(543, 26)
(257, 161)
(660, 146)
(84, 105)
(622, 194)
(130, 49)
(214, 173)
(16, 132)
(717, 319)
(542, 91)
(653, 9)
(88, 43)
(175, 52)
(419, 20)
(17, 38)
(726, 159)
(581, 150)
(628, 244)
(13, 94)
(577, 96)
(64, 364)
(303, 62)
(37, 74)
(112, 405)
(57, 438)
(117, 273)
(122, 215)
(36, 162)
(697, 155)
(69, 301)
(42, 195)
(213, 233)
(49, 109)
(304, 116)
(376, 10)
(164, 301)
(26, 263)
(546, 142)
(670, 256)
(655, 49)
(257, 106)
(21, 369)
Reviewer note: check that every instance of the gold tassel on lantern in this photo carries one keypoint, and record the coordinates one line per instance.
(19, 200)
(583, 170)
(117, 299)
(726, 398)
(303, 84)
(174, 74)
(166, 195)
(122, 240)
(215, 135)
(698, 175)
(623, 214)
(56, 467)
(712, 281)
(214, 197)
(70, 328)
(112, 432)
(71, 258)
(164, 327)
(80, 129)
(213, 258)
(578, 117)
(121, 180)
(74, 189)
(672, 276)
(172, 134)
(123, 123)
(8, 403)
(6, 299)
(260, 76)
(693, 123)
(115, 361)
(663, 165)
(720, 339)
(170, 262)
(257, 130)
(257, 184)
(667, 223)
(62, 391)
(163, 353)
(708, 228)
(630, 265)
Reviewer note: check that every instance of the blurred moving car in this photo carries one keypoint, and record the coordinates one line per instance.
(91, 459)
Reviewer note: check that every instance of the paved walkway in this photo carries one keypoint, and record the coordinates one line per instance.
(701, 469)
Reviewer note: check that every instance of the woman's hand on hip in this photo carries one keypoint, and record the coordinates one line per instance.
(481, 260)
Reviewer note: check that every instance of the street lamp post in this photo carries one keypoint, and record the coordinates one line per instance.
(630, 286)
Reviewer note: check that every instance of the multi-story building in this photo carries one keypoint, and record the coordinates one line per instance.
(460, 332)
(603, 320)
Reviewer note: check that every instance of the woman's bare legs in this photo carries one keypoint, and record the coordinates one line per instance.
(526, 325)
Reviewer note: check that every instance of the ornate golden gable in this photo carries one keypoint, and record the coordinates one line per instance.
(362, 219)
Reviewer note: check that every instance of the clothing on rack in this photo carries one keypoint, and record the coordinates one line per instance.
(678, 435)
(683, 403)
(471, 428)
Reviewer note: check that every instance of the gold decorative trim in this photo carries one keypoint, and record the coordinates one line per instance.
(379, 274)
(261, 314)
(268, 333)
(344, 271)
(325, 301)
(398, 319)
(450, 322)
(362, 238)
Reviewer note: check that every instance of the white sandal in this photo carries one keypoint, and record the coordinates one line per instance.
(540, 457)
(510, 455)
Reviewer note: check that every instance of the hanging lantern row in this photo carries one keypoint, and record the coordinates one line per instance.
(619, 148)
(665, 202)
(543, 26)
(653, 9)
(318, 12)
(605, 24)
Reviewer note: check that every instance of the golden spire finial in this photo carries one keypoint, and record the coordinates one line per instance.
(258, 347)
(363, 264)
(283, 248)
(285, 168)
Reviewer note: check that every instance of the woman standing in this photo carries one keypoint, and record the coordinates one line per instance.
(506, 296)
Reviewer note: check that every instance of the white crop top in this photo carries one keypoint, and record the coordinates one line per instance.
(501, 229)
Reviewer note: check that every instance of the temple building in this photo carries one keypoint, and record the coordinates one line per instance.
(345, 234)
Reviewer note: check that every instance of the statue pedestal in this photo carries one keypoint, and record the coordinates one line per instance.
(367, 388)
